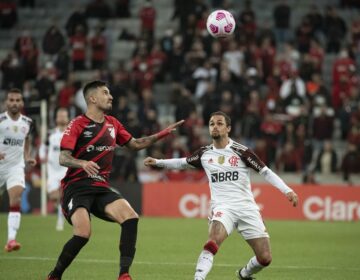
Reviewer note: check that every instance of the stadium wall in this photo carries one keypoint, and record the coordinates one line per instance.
(325, 203)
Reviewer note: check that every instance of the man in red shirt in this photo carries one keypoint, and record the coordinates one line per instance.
(87, 149)
(148, 16)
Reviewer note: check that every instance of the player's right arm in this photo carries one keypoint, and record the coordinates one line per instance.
(67, 160)
(173, 163)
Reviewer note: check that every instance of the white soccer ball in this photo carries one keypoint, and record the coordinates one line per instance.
(220, 24)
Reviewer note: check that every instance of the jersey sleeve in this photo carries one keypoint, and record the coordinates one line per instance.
(70, 136)
(122, 135)
(195, 159)
(252, 160)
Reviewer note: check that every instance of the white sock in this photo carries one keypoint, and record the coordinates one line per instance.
(13, 224)
(252, 267)
(60, 217)
(204, 265)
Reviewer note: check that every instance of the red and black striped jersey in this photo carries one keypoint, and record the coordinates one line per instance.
(92, 141)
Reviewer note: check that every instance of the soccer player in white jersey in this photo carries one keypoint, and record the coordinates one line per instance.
(227, 165)
(15, 143)
(55, 172)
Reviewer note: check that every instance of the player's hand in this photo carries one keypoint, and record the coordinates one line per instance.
(30, 161)
(2, 156)
(293, 198)
(90, 167)
(149, 161)
(172, 127)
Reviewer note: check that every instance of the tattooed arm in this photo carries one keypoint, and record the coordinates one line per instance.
(144, 142)
(67, 160)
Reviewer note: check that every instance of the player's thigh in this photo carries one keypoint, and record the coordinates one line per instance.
(250, 225)
(222, 223)
(72, 200)
(80, 220)
(113, 207)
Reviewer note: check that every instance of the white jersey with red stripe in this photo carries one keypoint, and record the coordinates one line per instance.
(12, 140)
(228, 172)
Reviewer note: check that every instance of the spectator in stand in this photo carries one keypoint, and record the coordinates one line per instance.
(323, 126)
(326, 162)
(98, 9)
(145, 105)
(317, 54)
(121, 109)
(53, 40)
(335, 30)
(292, 56)
(27, 3)
(62, 64)
(78, 45)
(45, 85)
(282, 14)
(307, 67)
(304, 35)
(354, 132)
(77, 18)
(148, 17)
(350, 162)
(317, 93)
(157, 60)
(289, 159)
(184, 104)
(316, 20)
(293, 93)
(98, 46)
(13, 71)
(202, 75)
(234, 57)
(122, 8)
(267, 55)
(67, 92)
(247, 19)
(8, 14)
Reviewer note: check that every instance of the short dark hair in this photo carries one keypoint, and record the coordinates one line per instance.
(14, 90)
(92, 85)
(219, 113)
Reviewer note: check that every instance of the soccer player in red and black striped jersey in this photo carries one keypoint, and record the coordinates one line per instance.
(87, 149)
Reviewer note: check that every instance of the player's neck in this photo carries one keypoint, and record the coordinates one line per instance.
(221, 143)
(13, 116)
(95, 115)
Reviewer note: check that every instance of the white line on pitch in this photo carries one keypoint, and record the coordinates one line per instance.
(175, 263)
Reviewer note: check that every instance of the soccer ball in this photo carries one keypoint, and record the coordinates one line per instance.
(220, 24)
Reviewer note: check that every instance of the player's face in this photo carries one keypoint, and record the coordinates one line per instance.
(217, 127)
(104, 99)
(62, 118)
(14, 103)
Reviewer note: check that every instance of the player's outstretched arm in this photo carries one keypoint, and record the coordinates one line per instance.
(144, 142)
(172, 163)
(67, 160)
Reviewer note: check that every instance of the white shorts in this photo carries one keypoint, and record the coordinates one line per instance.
(54, 179)
(15, 176)
(248, 223)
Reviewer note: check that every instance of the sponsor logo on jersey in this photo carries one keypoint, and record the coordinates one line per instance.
(254, 163)
(224, 176)
(221, 159)
(97, 178)
(88, 134)
(15, 128)
(13, 142)
(234, 161)
(91, 148)
(90, 125)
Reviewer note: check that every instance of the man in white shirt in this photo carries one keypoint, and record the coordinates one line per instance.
(55, 172)
(227, 165)
(15, 130)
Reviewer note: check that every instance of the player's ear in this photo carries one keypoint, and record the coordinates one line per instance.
(229, 129)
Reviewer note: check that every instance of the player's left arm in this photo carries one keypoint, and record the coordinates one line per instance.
(253, 161)
(27, 152)
(144, 142)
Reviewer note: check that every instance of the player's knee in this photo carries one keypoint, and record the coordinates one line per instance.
(264, 258)
(83, 233)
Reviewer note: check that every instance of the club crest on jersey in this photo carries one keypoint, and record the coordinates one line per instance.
(234, 161)
(221, 159)
(15, 128)
(112, 132)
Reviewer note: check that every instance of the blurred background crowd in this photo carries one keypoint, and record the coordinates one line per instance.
(289, 77)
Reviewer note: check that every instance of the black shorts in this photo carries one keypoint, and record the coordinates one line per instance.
(93, 199)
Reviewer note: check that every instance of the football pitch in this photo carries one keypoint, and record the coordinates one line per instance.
(168, 249)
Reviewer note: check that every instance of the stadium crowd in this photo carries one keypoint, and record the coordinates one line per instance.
(269, 78)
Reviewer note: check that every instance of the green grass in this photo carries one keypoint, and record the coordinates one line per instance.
(168, 249)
